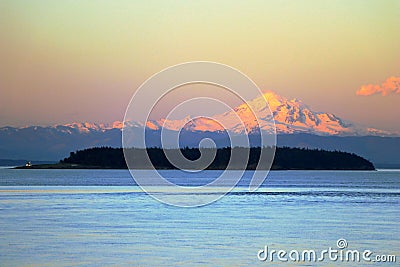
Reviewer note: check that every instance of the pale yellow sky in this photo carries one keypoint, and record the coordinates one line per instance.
(64, 61)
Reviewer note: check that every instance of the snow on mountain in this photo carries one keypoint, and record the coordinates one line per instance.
(86, 127)
(291, 116)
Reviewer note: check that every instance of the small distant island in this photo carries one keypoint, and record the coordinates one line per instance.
(285, 159)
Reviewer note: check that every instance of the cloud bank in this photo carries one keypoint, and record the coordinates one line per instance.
(391, 85)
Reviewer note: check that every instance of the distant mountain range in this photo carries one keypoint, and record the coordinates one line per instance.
(296, 124)
(291, 116)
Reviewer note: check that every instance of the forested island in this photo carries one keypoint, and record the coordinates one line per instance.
(285, 159)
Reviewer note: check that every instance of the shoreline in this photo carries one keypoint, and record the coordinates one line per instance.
(64, 166)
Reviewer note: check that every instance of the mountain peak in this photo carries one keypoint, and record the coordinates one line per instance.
(274, 100)
(290, 116)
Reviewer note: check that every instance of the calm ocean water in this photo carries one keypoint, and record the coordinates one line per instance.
(100, 217)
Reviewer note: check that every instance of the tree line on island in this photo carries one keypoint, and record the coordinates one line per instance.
(286, 158)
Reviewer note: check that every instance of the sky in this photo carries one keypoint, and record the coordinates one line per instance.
(67, 61)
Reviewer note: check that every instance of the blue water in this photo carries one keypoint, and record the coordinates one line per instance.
(100, 217)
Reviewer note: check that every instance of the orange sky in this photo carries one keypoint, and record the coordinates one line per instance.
(64, 61)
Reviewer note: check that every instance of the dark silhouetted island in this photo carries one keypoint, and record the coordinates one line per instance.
(285, 159)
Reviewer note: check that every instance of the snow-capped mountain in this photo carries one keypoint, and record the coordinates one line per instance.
(85, 127)
(291, 116)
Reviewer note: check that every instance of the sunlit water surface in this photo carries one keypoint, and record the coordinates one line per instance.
(100, 217)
